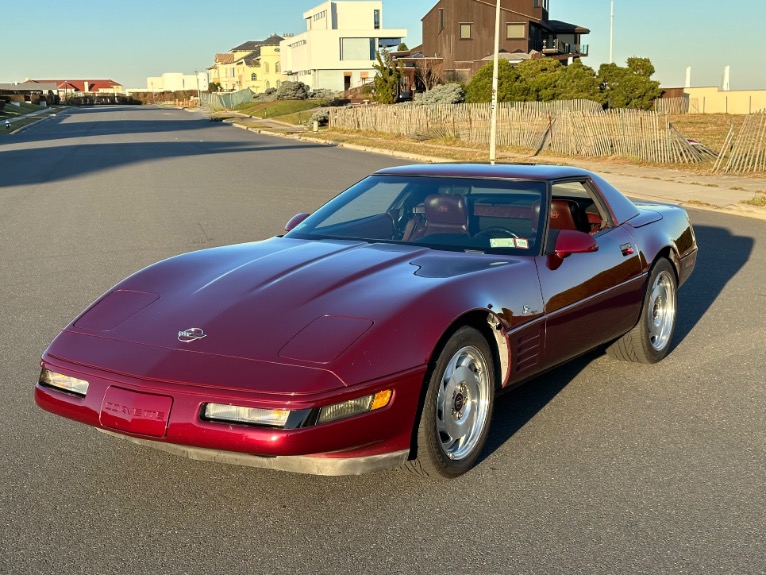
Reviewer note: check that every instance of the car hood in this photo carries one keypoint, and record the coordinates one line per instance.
(278, 302)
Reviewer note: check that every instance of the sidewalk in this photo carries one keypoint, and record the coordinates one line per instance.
(718, 192)
(260, 124)
(9, 121)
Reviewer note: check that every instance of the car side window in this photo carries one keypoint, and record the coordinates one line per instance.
(575, 206)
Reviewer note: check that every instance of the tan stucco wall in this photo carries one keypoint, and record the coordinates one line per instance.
(713, 100)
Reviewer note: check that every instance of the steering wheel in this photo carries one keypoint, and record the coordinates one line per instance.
(496, 232)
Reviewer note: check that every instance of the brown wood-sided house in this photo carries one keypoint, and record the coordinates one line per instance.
(461, 33)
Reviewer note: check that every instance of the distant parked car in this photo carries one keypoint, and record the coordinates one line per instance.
(377, 331)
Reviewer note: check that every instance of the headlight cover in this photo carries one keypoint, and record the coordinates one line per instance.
(61, 382)
(353, 407)
(249, 415)
(286, 419)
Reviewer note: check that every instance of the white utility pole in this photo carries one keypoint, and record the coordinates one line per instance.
(493, 105)
(611, 33)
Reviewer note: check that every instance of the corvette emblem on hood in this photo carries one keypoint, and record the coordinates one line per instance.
(191, 334)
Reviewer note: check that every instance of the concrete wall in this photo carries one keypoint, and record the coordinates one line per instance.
(713, 100)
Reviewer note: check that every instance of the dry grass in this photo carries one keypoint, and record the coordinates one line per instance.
(759, 200)
(710, 129)
(441, 148)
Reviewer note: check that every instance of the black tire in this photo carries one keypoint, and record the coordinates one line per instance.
(457, 409)
(649, 341)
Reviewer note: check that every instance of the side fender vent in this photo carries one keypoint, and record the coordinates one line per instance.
(527, 349)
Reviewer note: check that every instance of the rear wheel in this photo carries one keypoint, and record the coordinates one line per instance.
(458, 407)
(649, 341)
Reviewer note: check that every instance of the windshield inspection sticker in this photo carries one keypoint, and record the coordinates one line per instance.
(502, 242)
(523, 244)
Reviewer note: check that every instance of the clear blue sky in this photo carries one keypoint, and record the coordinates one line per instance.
(128, 40)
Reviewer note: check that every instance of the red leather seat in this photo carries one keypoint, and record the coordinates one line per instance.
(443, 214)
(563, 215)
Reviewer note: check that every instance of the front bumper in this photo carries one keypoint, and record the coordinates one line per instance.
(368, 442)
(310, 464)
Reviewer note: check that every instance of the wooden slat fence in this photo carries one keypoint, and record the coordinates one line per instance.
(678, 105)
(746, 152)
(579, 127)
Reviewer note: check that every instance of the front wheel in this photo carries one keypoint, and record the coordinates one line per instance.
(649, 341)
(458, 407)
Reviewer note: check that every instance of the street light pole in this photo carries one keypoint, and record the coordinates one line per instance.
(493, 105)
(611, 32)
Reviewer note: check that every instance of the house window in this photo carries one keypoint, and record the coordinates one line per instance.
(465, 30)
(265, 67)
(253, 77)
(515, 31)
(376, 19)
(441, 19)
(278, 68)
(357, 49)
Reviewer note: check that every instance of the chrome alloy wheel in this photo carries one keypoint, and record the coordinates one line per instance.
(661, 310)
(462, 404)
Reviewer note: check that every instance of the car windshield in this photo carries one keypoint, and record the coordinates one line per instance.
(451, 213)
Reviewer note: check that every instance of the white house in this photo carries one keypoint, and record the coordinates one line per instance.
(176, 82)
(337, 50)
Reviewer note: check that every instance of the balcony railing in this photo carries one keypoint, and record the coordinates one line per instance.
(561, 47)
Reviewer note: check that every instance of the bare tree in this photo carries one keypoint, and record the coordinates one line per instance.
(429, 72)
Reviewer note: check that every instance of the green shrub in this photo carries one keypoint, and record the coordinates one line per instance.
(323, 94)
(293, 91)
(322, 117)
(443, 94)
(268, 96)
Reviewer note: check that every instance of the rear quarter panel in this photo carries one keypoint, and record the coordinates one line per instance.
(671, 235)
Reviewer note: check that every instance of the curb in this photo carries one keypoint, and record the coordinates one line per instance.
(30, 115)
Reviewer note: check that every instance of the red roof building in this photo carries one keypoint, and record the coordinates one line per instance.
(84, 86)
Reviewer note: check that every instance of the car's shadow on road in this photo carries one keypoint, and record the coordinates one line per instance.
(516, 407)
(75, 161)
(721, 256)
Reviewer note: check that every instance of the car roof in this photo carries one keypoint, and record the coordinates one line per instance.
(505, 171)
(621, 207)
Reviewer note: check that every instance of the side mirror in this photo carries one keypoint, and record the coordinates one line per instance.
(573, 242)
(570, 242)
(294, 221)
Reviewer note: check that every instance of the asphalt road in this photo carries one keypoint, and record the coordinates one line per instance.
(598, 467)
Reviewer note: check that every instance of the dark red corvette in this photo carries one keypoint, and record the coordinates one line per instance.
(378, 330)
